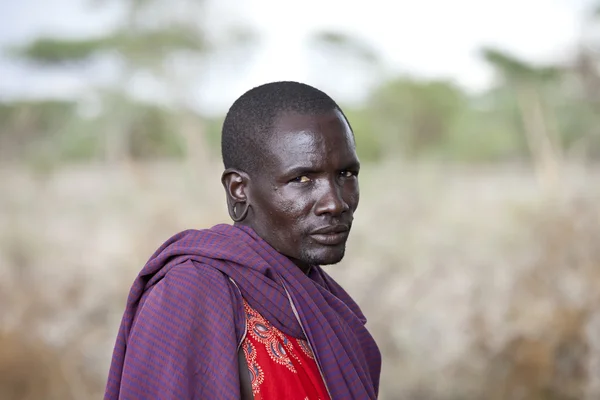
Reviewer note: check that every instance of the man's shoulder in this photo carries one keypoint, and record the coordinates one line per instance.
(200, 275)
(205, 292)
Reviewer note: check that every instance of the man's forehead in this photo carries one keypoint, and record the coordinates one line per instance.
(310, 130)
(292, 121)
(310, 140)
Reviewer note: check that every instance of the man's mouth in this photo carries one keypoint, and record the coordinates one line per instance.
(331, 235)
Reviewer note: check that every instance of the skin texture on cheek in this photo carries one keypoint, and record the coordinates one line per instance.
(284, 218)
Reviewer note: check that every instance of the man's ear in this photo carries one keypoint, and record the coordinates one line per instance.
(235, 183)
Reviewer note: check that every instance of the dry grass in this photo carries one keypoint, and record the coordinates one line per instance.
(475, 283)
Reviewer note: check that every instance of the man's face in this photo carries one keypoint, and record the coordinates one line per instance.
(304, 198)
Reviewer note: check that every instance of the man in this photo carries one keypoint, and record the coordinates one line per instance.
(245, 311)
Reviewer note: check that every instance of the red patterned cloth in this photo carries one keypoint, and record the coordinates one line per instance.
(281, 366)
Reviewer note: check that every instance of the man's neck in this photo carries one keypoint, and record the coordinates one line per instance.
(304, 267)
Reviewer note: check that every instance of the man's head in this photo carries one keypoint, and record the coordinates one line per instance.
(291, 170)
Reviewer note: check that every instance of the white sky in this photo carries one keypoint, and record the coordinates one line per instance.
(431, 38)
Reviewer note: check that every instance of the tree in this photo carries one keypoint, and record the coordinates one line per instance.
(527, 83)
(352, 62)
(167, 42)
(586, 70)
(414, 117)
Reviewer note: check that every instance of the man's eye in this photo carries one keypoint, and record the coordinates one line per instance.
(301, 179)
(347, 174)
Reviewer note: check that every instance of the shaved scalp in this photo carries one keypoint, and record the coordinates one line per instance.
(250, 119)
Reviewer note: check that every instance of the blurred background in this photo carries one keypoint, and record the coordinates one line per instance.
(474, 252)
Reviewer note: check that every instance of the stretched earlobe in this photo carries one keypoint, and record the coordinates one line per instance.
(235, 183)
(232, 209)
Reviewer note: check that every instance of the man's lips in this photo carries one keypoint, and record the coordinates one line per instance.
(331, 235)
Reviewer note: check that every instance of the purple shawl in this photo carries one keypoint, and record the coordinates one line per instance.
(184, 320)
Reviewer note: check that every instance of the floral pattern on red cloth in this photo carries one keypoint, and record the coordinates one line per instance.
(280, 366)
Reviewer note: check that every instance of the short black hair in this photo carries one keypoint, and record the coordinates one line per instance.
(253, 114)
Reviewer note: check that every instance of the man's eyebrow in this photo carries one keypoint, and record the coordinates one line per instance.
(303, 170)
(300, 170)
(352, 165)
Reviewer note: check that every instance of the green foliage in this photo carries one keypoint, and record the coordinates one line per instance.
(579, 124)
(213, 133)
(27, 124)
(154, 134)
(514, 69)
(48, 130)
(149, 45)
(412, 117)
(37, 113)
(344, 44)
(140, 46)
(52, 51)
(402, 117)
(368, 143)
(479, 136)
(149, 36)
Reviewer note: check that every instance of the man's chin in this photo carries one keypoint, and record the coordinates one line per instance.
(326, 256)
(330, 262)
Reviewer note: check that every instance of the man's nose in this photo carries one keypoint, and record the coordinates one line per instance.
(331, 200)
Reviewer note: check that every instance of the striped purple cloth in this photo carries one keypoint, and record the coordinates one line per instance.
(184, 320)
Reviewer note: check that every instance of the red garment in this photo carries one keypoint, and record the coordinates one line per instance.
(281, 366)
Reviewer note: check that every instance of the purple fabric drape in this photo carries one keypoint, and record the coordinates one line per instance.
(184, 319)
